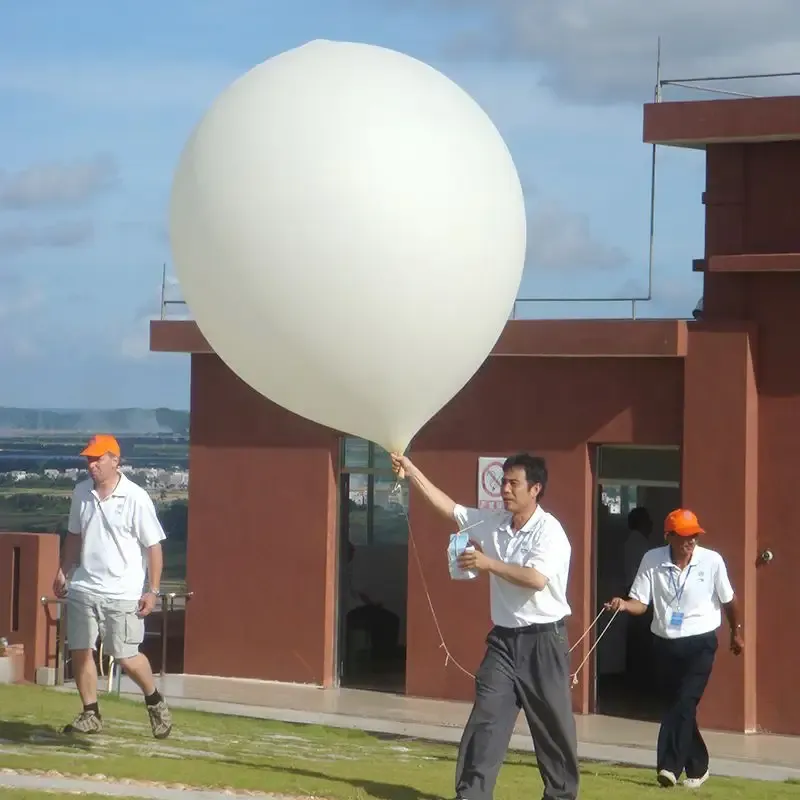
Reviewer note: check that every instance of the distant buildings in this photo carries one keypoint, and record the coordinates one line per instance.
(153, 478)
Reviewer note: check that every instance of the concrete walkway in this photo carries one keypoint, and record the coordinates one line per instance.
(132, 789)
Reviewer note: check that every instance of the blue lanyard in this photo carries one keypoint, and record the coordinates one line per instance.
(677, 586)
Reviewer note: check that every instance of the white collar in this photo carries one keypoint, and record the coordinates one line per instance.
(532, 522)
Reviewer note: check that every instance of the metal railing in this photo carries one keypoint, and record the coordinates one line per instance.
(697, 84)
(62, 653)
(166, 606)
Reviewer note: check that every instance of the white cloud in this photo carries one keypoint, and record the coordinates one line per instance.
(19, 238)
(20, 301)
(604, 51)
(119, 85)
(54, 185)
(560, 239)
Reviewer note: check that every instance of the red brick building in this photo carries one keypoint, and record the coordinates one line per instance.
(656, 413)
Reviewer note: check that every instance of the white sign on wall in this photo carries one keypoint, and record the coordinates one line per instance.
(490, 482)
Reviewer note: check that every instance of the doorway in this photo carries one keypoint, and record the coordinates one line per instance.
(373, 570)
(636, 487)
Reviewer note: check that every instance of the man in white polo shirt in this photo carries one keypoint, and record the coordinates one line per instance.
(113, 542)
(527, 554)
(688, 587)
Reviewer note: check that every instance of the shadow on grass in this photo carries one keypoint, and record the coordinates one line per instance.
(26, 733)
(385, 791)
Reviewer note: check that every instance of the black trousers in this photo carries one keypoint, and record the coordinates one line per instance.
(524, 668)
(683, 669)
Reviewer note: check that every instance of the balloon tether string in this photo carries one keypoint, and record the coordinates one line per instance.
(397, 490)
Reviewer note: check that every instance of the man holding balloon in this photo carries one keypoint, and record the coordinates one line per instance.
(526, 553)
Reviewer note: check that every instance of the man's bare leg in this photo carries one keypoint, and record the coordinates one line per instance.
(140, 672)
(138, 669)
(85, 670)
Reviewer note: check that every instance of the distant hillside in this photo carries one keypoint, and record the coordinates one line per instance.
(116, 420)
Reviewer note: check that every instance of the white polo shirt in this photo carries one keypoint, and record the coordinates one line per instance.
(685, 602)
(116, 533)
(541, 543)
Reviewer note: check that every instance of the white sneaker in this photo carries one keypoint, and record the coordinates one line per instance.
(695, 783)
(667, 778)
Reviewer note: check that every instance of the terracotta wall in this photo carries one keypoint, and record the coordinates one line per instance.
(552, 407)
(751, 207)
(774, 301)
(261, 553)
(37, 555)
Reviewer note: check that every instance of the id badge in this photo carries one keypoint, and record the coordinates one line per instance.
(676, 620)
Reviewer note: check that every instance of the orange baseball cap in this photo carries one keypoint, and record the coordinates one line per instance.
(682, 522)
(101, 444)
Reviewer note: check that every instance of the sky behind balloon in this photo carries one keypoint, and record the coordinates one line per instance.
(98, 99)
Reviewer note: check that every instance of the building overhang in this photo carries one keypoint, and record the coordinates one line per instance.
(749, 262)
(532, 338)
(697, 123)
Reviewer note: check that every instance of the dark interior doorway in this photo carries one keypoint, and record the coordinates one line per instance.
(636, 489)
(373, 571)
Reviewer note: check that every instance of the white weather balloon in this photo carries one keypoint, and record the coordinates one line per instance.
(348, 229)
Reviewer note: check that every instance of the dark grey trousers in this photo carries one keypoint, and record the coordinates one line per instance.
(524, 668)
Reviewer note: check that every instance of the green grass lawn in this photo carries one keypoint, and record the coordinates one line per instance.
(208, 750)
(27, 794)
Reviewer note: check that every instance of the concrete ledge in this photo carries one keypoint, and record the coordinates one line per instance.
(696, 123)
(569, 338)
(12, 664)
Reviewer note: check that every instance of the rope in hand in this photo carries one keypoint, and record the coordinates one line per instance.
(443, 644)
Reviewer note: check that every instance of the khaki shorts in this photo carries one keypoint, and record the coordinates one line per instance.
(115, 621)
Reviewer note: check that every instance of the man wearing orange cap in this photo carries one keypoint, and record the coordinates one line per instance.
(688, 587)
(113, 543)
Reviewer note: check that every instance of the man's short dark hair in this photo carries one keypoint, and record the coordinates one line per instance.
(639, 517)
(535, 469)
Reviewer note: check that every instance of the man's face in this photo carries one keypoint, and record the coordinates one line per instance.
(683, 545)
(101, 468)
(518, 495)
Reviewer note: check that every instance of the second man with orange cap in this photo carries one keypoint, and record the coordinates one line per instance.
(688, 587)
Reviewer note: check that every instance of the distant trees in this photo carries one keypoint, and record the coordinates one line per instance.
(32, 502)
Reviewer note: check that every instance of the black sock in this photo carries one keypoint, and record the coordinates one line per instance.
(92, 707)
(152, 699)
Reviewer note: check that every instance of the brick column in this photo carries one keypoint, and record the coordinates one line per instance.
(720, 483)
(28, 564)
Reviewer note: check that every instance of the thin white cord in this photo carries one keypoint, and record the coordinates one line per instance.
(443, 645)
(596, 642)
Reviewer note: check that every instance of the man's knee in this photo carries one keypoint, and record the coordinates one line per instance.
(82, 657)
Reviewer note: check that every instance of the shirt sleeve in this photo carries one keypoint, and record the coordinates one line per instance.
(642, 587)
(74, 522)
(480, 523)
(552, 551)
(722, 583)
(146, 524)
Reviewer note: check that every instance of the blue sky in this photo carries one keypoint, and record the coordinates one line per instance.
(98, 99)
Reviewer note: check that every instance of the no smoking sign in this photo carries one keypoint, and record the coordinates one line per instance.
(490, 483)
